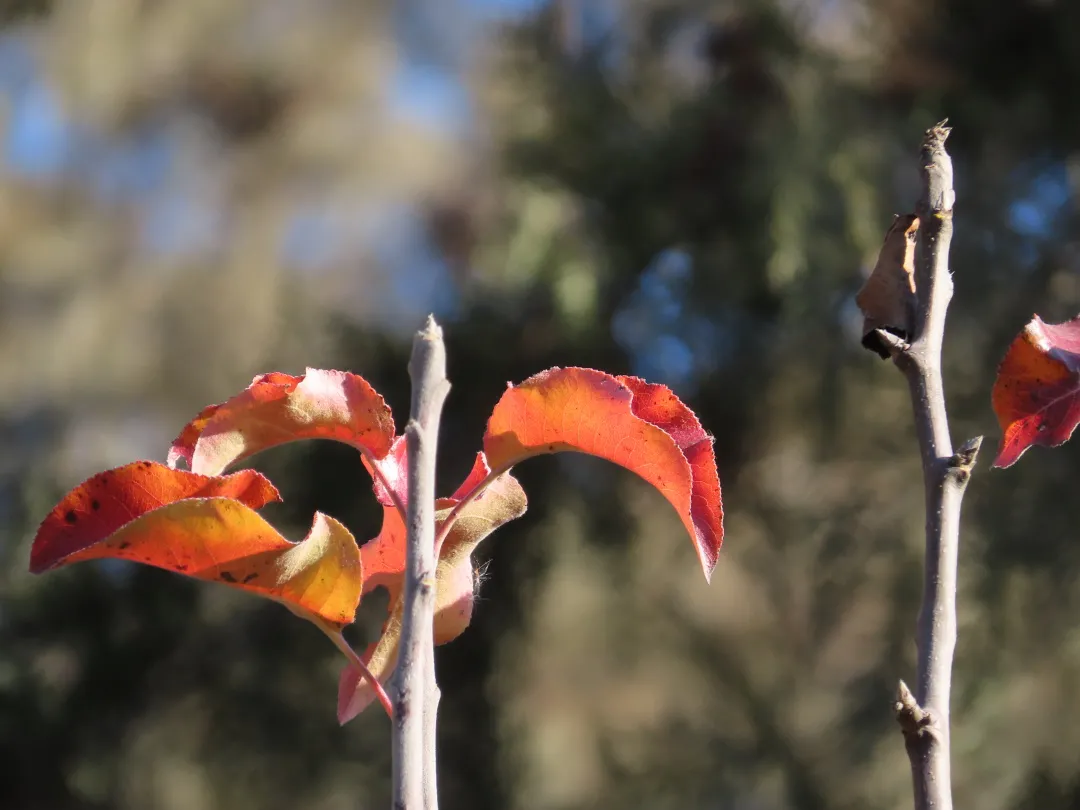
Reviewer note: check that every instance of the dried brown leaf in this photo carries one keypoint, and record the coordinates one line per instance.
(887, 299)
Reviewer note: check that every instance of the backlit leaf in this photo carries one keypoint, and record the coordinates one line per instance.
(1036, 394)
(107, 501)
(640, 426)
(278, 408)
(204, 528)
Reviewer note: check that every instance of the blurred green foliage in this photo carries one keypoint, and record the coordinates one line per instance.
(192, 193)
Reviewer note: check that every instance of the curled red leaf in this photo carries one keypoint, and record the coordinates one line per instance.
(205, 528)
(278, 408)
(1036, 394)
(640, 426)
(107, 501)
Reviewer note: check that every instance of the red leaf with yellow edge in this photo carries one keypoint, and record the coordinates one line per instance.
(102, 504)
(384, 565)
(278, 408)
(222, 540)
(640, 426)
(1036, 394)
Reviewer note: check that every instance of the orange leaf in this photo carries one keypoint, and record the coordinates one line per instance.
(384, 566)
(204, 528)
(640, 426)
(105, 502)
(1036, 394)
(278, 408)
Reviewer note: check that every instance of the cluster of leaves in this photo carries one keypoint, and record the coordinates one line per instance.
(204, 524)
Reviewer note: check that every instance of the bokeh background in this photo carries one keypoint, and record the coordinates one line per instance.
(193, 192)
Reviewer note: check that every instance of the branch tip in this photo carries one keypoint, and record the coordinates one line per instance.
(965, 455)
(938, 194)
(431, 330)
(938, 133)
(914, 720)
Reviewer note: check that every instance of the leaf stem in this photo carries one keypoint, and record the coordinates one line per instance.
(474, 493)
(355, 659)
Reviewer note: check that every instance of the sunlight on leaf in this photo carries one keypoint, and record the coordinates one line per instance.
(207, 536)
(278, 408)
(1036, 394)
(107, 501)
(640, 426)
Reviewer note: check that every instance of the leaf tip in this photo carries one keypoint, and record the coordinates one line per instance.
(1007, 455)
(348, 707)
(708, 571)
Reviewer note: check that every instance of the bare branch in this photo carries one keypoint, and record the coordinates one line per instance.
(416, 696)
(924, 715)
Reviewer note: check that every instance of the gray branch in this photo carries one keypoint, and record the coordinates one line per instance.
(924, 715)
(416, 695)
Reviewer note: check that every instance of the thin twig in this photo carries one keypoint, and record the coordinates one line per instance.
(924, 715)
(416, 694)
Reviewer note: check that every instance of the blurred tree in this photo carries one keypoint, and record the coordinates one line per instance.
(192, 193)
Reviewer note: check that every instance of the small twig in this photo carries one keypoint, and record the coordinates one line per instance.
(893, 344)
(913, 719)
(416, 694)
(924, 716)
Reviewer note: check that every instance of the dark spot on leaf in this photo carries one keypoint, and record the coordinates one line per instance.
(181, 568)
(225, 576)
(71, 517)
(250, 577)
(95, 505)
(123, 545)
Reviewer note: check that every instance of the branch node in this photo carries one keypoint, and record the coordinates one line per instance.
(882, 340)
(915, 721)
(965, 456)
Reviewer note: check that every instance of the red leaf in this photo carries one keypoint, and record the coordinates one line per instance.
(204, 528)
(102, 504)
(1036, 394)
(477, 475)
(642, 427)
(278, 408)
(659, 406)
(392, 480)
